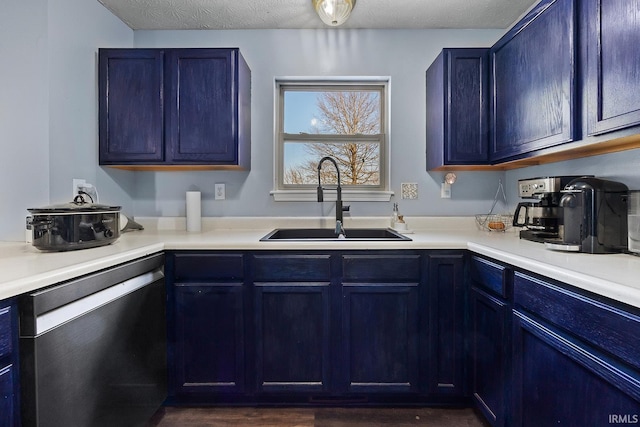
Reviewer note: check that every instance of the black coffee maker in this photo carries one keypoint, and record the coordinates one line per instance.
(595, 216)
(542, 219)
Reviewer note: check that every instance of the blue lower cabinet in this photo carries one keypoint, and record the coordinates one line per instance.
(489, 354)
(557, 381)
(380, 322)
(575, 356)
(9, 395)
(206, 325)
(7, 408)
(209, 343)
(292, 337)
(277, 327)
(447, 358)
(490, 339)
(380, 337)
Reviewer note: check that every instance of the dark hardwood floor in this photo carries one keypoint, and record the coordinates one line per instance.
(316, 417)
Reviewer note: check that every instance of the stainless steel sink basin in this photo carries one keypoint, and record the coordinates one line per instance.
(327, 234)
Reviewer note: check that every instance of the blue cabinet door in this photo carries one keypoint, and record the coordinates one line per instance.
(458, 108)
(489, 352)
(559, 382)
(131, 106)
(533, 93)
(380, 329)
(9, 362)
(7, 409)
(490, 333)
(9, 365)
(201, 105)
(447, 361)
(292, 337)
(292, 322)
(613, 64)
(380, 338)
(209, 339)
(575, 356)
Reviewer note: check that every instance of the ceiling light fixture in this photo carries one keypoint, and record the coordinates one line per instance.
(333, 12)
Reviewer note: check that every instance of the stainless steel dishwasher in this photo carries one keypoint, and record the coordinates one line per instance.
(93, 350)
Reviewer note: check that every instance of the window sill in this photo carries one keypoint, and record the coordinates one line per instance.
(330, 195)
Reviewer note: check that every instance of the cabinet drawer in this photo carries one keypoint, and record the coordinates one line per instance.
(381, 268)
(207, 266)
(292, 268)
(5, 331)
(609, 328)
(489, 276)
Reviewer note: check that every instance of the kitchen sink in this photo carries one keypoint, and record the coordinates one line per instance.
(327, 234)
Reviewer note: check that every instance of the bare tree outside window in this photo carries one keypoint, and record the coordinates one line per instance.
(342, 113)
(349, 113)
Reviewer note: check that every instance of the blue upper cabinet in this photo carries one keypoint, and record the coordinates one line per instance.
(203, 106)
(613, 64)
(131, 106)
(174, 107)
(458, 108)
(533, 91)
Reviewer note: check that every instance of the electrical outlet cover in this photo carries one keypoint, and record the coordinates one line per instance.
(445, 191)
(77, 184)
(220, 192)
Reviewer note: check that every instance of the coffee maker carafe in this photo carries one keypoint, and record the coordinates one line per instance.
(542, 218)
(595, 216)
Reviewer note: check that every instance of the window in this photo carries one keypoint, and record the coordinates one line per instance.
(346, 120)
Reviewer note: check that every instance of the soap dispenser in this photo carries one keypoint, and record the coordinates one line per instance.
(394, 215)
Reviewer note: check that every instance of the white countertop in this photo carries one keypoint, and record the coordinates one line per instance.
(617, 276)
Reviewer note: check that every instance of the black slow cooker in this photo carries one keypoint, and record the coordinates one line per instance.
(75, 225)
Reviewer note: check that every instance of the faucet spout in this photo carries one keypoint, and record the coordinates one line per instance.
(339, 207)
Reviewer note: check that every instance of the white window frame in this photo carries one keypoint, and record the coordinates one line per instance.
(290, 193)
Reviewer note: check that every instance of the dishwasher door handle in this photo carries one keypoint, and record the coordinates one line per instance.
(56, 317)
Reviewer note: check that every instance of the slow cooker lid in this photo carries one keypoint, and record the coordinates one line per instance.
(78, 205)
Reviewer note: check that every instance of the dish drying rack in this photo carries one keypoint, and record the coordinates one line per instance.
(492, 221)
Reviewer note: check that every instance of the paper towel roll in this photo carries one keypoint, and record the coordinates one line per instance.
(194, 222)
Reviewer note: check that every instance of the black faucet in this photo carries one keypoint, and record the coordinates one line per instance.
(339, 207)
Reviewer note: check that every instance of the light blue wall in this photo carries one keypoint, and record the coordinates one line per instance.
(48, 108)
(24, 113)
(404, 55)
(73, 106)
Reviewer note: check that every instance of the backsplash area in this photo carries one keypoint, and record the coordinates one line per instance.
(622, 167)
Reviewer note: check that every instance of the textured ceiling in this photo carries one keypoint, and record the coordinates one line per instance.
(278, 14)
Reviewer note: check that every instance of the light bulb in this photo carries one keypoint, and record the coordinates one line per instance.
(450, 178)
(333, 12)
